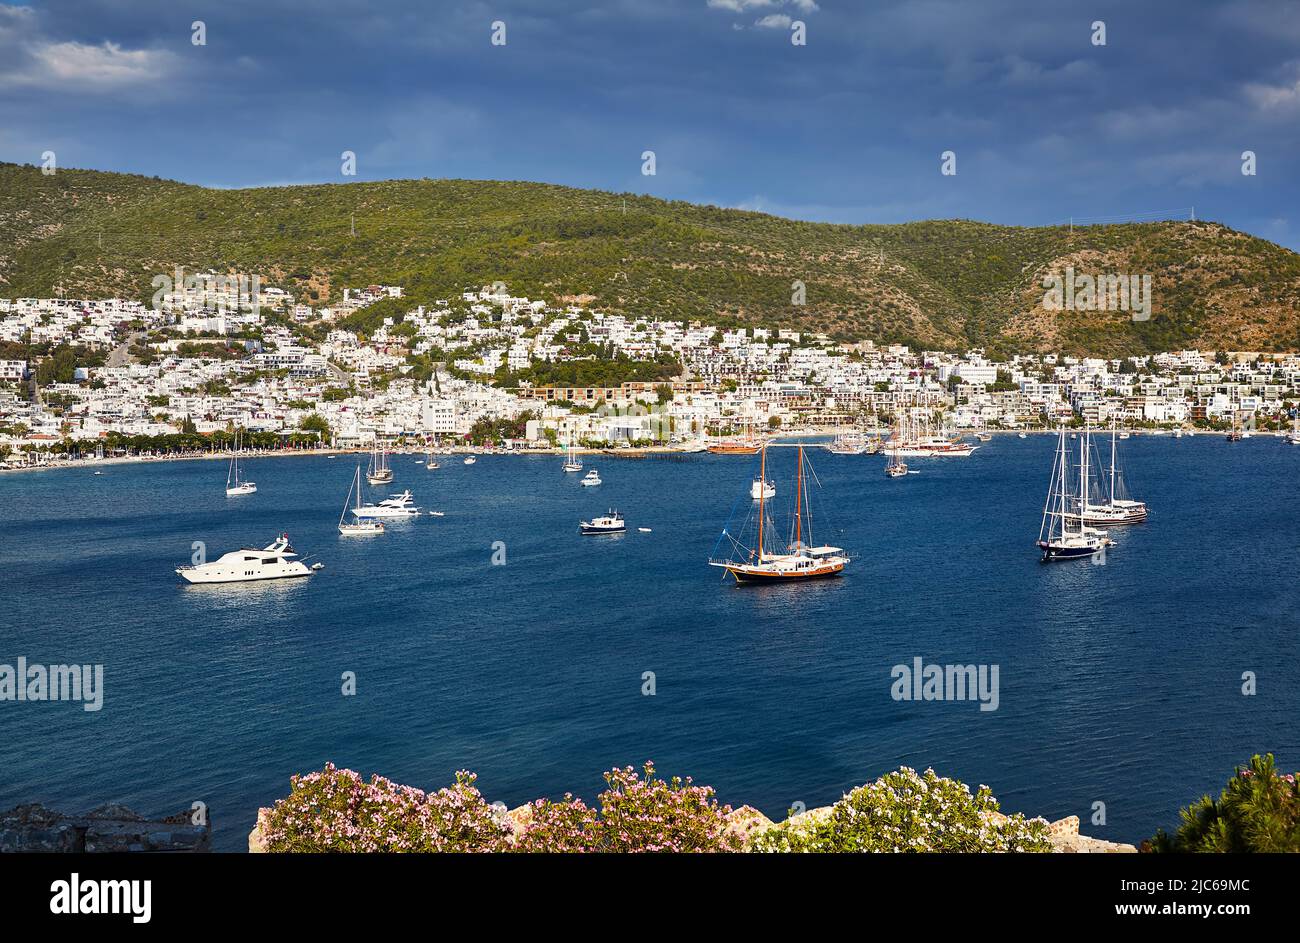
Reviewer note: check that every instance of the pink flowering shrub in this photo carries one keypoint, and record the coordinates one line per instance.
(567, 826)
(336, 810)
(653, 815)
(909, 811)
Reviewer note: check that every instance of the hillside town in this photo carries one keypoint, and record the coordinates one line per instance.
(213, 355)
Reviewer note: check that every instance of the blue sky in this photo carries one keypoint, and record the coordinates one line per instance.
(848, 128)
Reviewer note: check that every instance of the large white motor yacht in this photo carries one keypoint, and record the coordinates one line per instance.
(270, 563)
(399, 505)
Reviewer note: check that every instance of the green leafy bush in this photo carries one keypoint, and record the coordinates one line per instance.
(909, 811)
(1258, 811)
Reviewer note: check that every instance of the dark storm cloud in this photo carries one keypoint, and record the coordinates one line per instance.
(849, 128)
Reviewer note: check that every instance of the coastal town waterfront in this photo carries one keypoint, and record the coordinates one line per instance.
(116, 377)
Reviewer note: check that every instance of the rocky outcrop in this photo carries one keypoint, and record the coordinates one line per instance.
(109, 828)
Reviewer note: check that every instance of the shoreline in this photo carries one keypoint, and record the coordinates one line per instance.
(550, 452)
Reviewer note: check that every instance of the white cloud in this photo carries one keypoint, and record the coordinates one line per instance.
(79, 64)
(31, 58)
(740, 6)
(774, 21)
(1284, 96)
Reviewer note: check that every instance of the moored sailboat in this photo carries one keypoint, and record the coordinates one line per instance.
(767, 561)
(362, 526)
(1063, 535)
(1115, 506)
(234, 486)
(379, 472)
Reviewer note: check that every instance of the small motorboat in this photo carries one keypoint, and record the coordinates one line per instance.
(611, 523)
(591, 479)
(470, 460)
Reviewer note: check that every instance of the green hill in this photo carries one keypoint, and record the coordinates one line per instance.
(950, 283)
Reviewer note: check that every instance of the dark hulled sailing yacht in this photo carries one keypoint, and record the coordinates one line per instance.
(1063, 535)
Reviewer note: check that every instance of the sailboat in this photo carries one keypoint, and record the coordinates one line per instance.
(571, 462)
(1063, 535)
(430, 463)
(769, 562)
(1235, 434)
(1116, 507)
(895, 467)
(379, 473)
(233, 485)
(749, 444)
(361, 526)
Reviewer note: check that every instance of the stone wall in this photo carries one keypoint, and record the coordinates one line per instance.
(110, 828)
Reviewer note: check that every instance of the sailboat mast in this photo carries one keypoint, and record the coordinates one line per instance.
(798, 501)
(1112, 463)
(762, 487)
(1083, 476)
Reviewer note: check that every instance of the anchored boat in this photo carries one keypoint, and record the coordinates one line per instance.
(361, 527)
(770, 560)
(1063, 535)
(233, 484)
(241, 566)
(1113, 505)
(611, 523)
(379, 473)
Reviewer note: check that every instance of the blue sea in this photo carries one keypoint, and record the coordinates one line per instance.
(1119, 684)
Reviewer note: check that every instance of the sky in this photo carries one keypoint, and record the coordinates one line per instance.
(1045, 124)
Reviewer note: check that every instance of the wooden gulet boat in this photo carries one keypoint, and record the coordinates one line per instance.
(797, 560)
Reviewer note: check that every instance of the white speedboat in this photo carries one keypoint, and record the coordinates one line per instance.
(1022, 435)
(611, 523)
(470, 460)
(362, 527)
(399, 505)
(591, 478)
(762, 488)
(270, 563)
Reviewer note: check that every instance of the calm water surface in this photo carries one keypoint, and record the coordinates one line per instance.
(1119, 683)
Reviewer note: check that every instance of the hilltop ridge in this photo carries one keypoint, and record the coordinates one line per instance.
(940, 283)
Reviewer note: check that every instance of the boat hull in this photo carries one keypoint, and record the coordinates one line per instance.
(589, 531)
(198, 575)
(1053, 552)
(749, 574)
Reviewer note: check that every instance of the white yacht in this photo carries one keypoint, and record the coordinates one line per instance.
(762, 489)
(611, 523)
(470, 460)
(591, 478)
(270, 563)
(399, 505)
